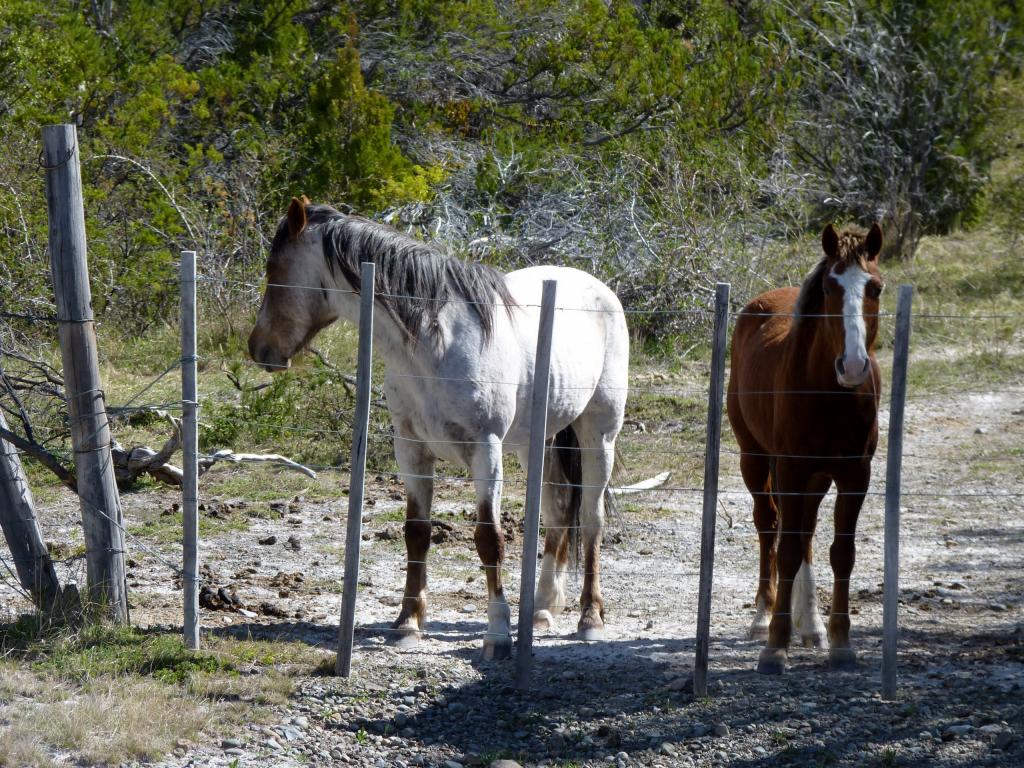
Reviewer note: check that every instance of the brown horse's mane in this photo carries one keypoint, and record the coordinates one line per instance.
(413, 280)
(811, 298)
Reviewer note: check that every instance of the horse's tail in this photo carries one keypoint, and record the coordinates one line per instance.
(565, 476)
(564, 473)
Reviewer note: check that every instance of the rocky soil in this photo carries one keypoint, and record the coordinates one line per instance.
(629, 700)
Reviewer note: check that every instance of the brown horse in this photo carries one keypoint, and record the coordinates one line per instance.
(803, 403)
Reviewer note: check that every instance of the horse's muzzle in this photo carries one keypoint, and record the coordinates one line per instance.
(266, 357)
(848, 381)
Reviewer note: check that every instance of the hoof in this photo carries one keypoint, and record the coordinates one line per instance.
(496, 648)
(543, 621)
(815, 641)
(842, 659)
(772, 661)
(406, 637)
(591, 634)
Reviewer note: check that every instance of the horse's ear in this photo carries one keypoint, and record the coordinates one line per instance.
(873, 242)
(296, 218)
(305, 200)
(830, 241)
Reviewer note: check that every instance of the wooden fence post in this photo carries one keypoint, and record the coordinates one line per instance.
(189, 453)
(534, 484)
(711, 454)
(21, 529)
(90, 429)
(893, 478)
(360, 429)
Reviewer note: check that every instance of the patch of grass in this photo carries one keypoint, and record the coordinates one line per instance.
(116, 694)
(109, 720)
(967, 371)
(97, 651)
(260, 483)
(396, 515)
(167, 528)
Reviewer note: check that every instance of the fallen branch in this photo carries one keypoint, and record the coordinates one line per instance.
(227, 454)
(644, 485)
(130, 463)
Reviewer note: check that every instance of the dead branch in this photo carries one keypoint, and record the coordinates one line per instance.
(644, 485)
(227, 454)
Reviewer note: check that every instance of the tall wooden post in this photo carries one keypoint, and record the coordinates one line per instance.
(893, 479)
(189, 453)
(534, 483)
(711, 455)
(21, 529)
(90, 430)
(360, 430)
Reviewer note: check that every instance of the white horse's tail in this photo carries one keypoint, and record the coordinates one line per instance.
(564, 473)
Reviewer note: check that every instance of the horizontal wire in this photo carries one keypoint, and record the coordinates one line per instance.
(681, 311)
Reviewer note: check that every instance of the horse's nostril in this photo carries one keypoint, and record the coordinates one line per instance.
(840, 367)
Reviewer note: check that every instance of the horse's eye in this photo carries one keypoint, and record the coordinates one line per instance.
(873, 290)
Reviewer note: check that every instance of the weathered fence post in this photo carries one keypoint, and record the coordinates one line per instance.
(534, 483)
(189, 453)
(90, 430)
(893, 477)
(21, 529)
(711, 454)
(360, 428)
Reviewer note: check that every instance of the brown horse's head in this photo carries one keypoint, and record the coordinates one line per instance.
(852, 284)
(297, 302)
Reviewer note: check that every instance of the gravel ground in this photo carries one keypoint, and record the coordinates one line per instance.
(629, 701)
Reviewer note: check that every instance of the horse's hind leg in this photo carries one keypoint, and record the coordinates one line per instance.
(598, 456)
(550, 599)
(418, 467)
(754, 466)
(487, 470)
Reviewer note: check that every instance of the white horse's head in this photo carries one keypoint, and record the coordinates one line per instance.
(297, 302)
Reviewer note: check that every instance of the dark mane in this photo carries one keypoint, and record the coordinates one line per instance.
(811, 299)
(405, 268)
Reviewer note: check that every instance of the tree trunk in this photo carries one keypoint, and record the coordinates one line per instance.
(21, 529)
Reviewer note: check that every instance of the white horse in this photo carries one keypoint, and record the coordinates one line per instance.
(458, 342)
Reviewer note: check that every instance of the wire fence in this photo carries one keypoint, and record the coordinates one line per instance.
(647, 444)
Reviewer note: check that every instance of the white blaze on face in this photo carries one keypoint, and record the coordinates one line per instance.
(855, 354)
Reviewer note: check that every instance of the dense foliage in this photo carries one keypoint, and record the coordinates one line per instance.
(658, 143)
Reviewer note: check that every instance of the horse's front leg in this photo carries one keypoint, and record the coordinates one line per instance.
(418, 467)
(792, 483)
(842, 553)
(490, 545)
(806, 616)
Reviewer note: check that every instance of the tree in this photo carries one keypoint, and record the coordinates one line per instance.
(890, 110)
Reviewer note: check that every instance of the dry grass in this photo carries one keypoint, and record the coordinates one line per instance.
(107, 696)
(109, 720)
